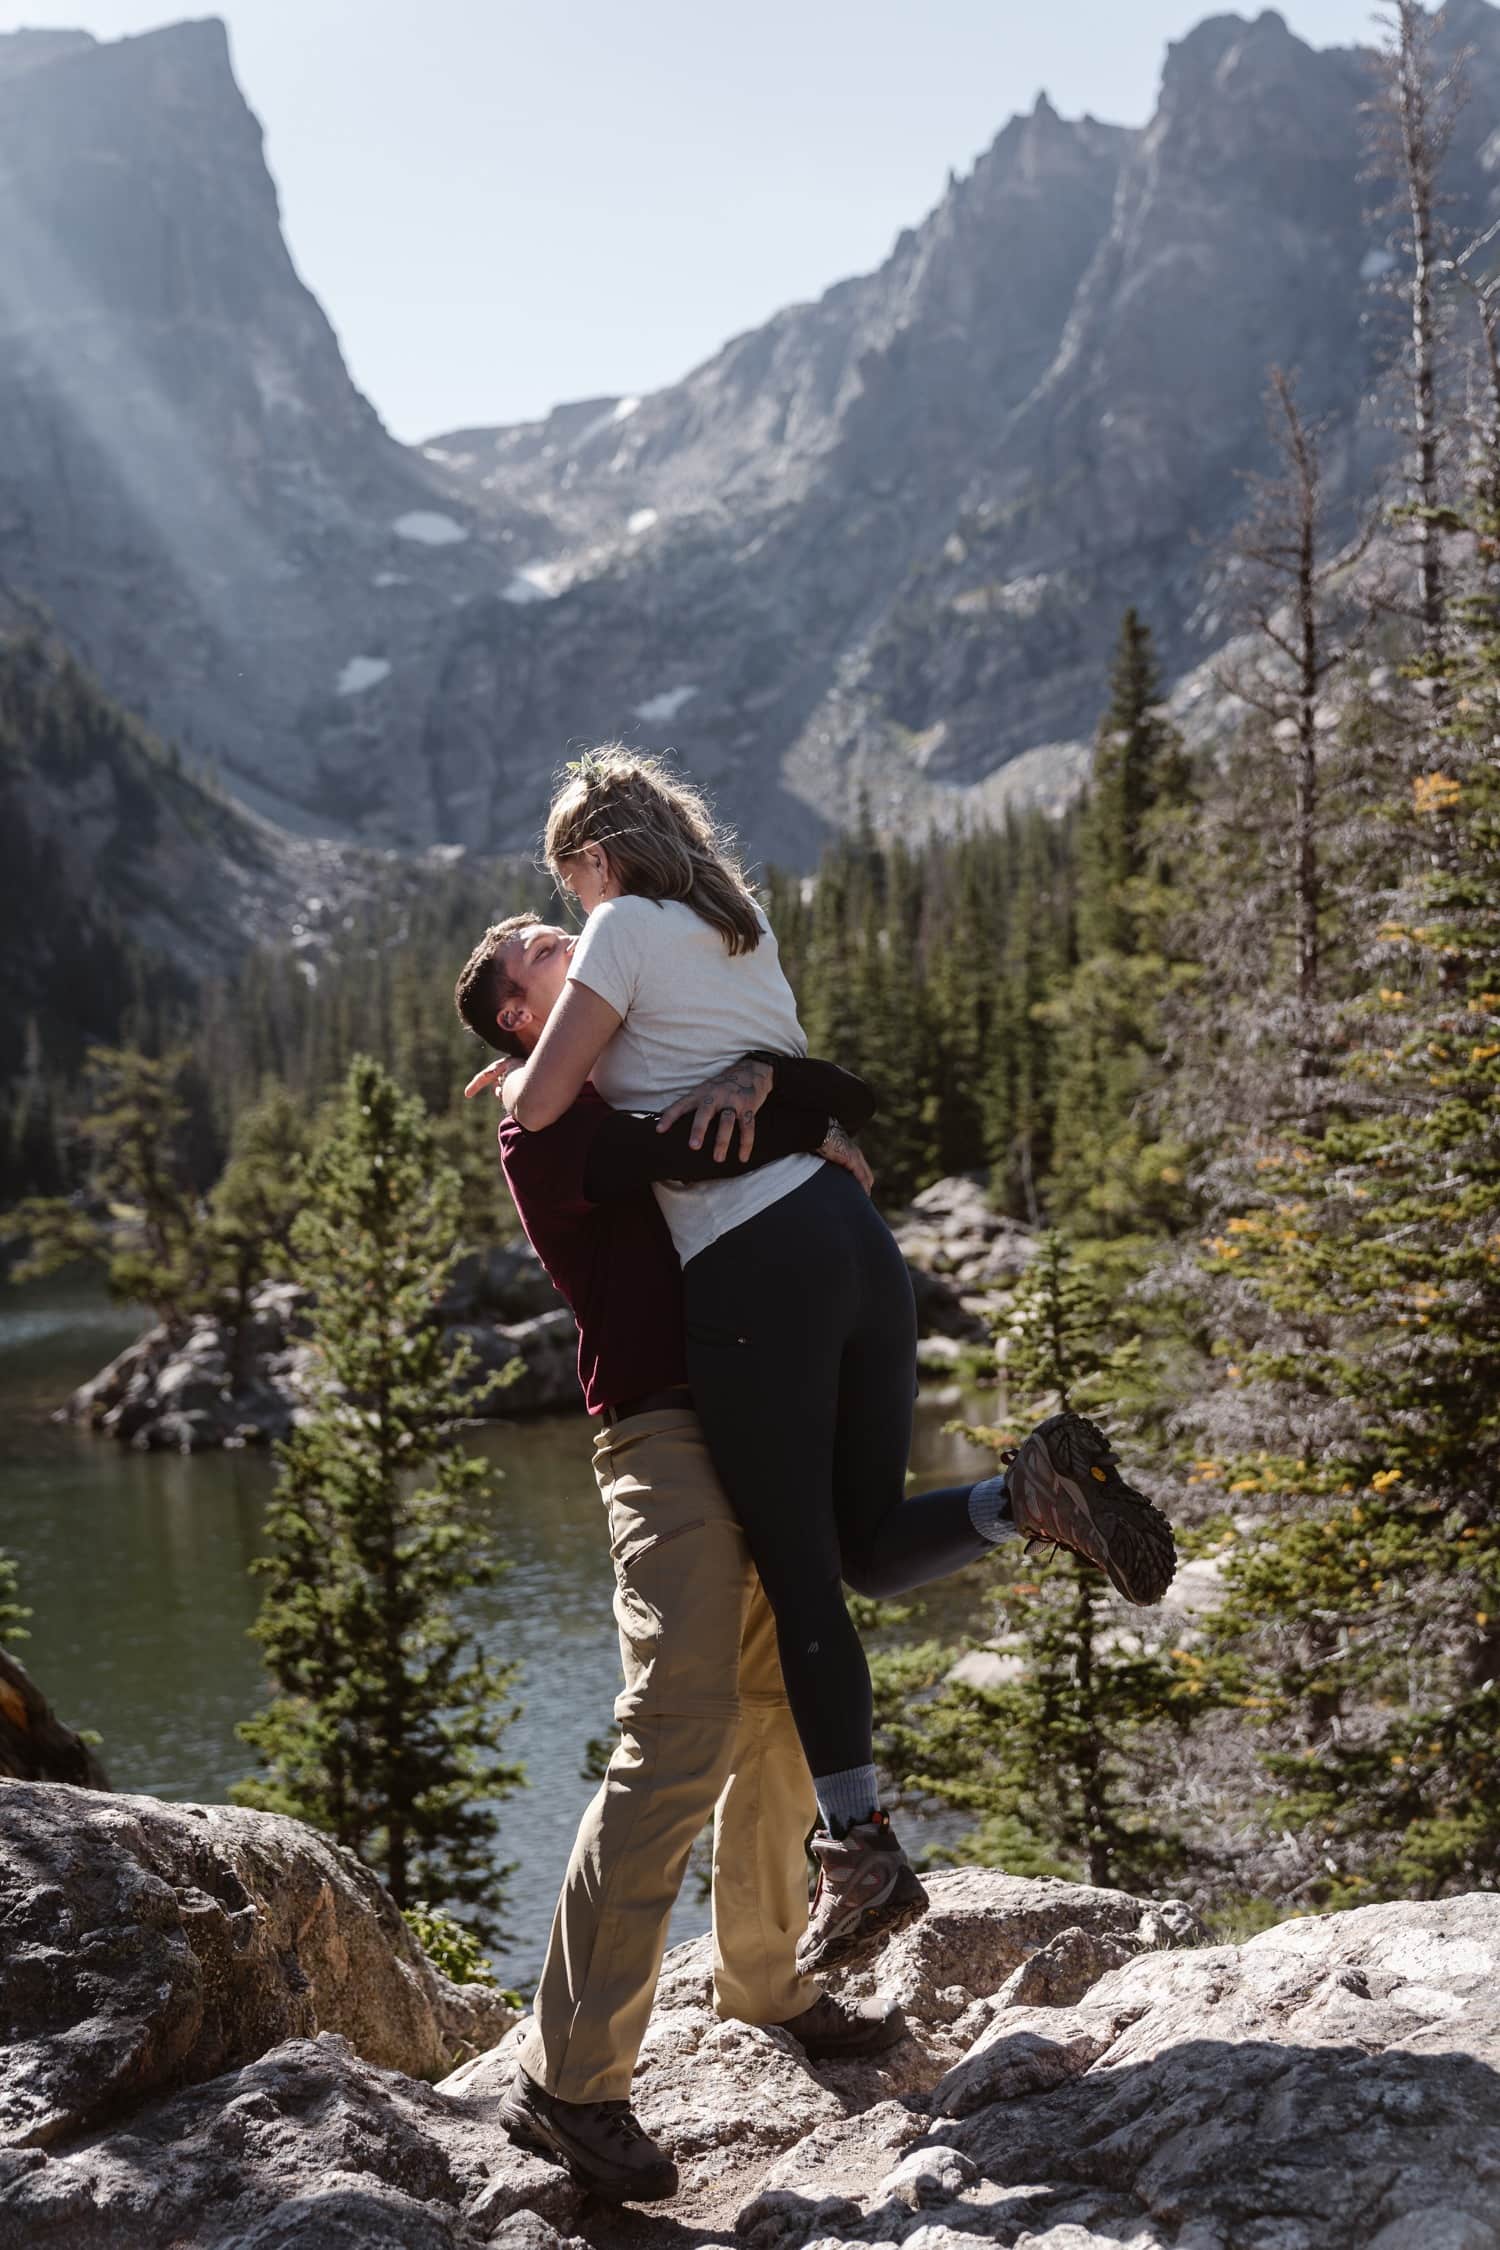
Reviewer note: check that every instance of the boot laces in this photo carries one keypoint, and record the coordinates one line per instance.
(620, 2120)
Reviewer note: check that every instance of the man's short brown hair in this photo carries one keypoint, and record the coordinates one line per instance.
(483, 986)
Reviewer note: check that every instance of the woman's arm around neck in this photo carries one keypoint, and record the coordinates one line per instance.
(575, 1035)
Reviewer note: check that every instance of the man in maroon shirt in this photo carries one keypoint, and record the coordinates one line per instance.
(704, 1724)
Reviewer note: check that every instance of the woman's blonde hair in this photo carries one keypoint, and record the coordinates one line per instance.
(660, 834)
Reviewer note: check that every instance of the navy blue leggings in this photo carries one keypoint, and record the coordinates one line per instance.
(802, 1352)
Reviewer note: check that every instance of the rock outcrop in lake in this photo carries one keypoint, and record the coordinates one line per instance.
(204, 1386)
(961, 1253)
(206, 2011)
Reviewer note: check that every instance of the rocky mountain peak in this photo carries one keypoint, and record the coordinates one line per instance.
(877, 545)
(1471, 19)
(27, 50)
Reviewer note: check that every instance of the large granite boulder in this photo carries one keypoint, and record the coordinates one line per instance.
(305, 2148)
(506, 1282)
(149, 1946)
(960, 1253)
(1083, 2073)
(523, 1366)
(198, 1387)
(189, 1390)
(35, 1745)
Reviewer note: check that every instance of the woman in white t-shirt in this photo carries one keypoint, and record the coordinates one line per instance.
(801, 1328)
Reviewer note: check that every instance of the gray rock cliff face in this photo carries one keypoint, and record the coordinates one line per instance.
(150, 1946)
(880, 543)
(1083, 2072)
(189, 481)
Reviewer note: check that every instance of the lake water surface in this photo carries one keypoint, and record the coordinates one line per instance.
(137, 1567)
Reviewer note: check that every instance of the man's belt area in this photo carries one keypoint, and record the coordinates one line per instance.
(648, 1402)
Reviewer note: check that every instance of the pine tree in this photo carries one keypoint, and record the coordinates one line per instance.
(1132, 754)
(1367, 1273)
(387, 1721)
(144, 1221)
(1409, 133)
(1297, 597)
(1061, 1763)
(254, 1206)
(1114, 1170)
(1032, 953)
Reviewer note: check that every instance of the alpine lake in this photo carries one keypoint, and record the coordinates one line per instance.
(137, 1569)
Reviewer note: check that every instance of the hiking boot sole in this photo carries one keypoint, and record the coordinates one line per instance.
(530, 2133)
(1066, 1488)
(855, 1944)
(878, 2040)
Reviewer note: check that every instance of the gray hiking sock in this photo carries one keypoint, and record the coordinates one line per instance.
(845, 1799)
(989, 1511)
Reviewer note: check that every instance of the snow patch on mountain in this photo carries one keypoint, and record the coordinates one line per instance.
(536, 582)
(663, 709)
(429, 528)
(362, 672)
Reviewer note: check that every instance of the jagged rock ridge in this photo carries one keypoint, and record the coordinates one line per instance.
(880, 543)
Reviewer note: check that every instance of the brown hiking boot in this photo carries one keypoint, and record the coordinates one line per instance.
(839, 2030)
(867, 1891)
(602, 2145)
(1066, 1489)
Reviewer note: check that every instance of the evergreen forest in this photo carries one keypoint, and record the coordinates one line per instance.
(1225, 1035)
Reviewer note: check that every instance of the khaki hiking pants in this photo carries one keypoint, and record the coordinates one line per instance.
(704, 1729)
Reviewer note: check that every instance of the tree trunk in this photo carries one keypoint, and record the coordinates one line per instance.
(1088, 1766)
(1309, 900)
(1420, 160)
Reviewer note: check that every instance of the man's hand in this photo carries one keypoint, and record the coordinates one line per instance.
(838, 1148)
(733, 1097)
(493, 1074)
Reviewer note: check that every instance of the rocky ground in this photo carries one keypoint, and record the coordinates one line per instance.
(219, 2036)
(195, 1390)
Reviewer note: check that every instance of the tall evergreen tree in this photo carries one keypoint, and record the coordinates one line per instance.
(1298, 601)
(144, 1219)
(1061, 1763)
(254, 1207)
(1133, 755)
(388, 1715)
(1113, 1168)
(1373, 1583)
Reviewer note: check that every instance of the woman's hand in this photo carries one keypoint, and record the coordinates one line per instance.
(837, 1148)
(493, 1074)
(733, 1097)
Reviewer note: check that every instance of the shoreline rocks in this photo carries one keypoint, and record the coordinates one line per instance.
(1083, 2070)
(961, 1254)
(203, 1389)
(195, 1391)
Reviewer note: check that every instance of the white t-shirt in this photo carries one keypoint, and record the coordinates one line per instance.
(690, 1008)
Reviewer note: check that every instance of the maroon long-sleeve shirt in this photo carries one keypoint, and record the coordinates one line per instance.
(581, 1189)
(614, 1262)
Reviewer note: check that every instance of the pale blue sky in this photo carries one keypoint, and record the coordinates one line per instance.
(507, 203)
